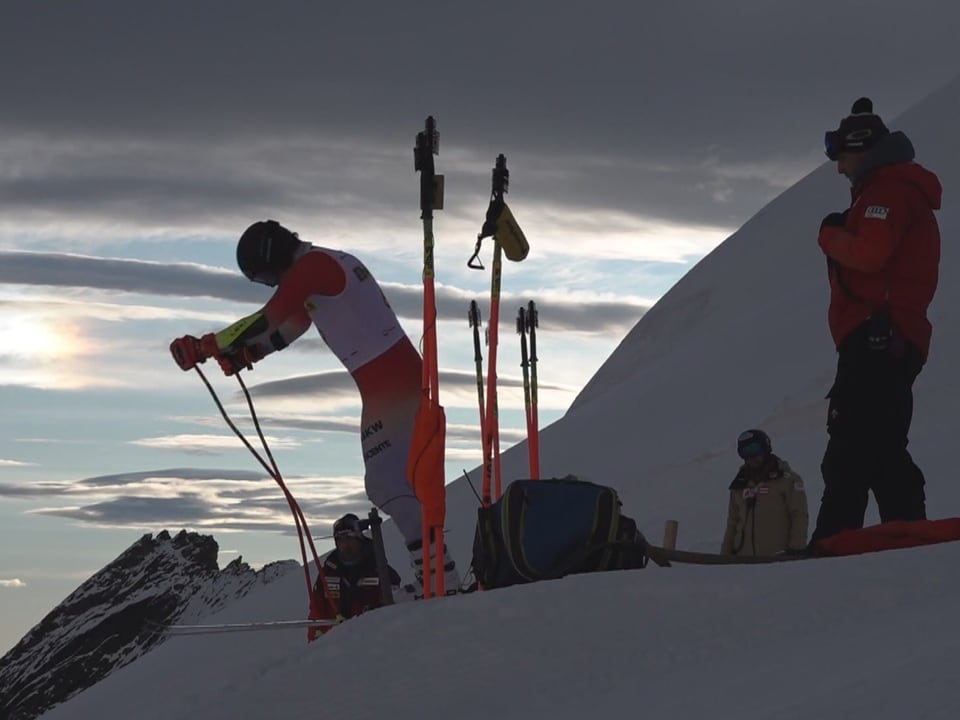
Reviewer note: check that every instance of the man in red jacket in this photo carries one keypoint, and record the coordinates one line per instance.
(883, 257)
(351, 579)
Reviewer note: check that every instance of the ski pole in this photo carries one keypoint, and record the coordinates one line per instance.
(492, 417)
(489, 425)
(525, 367)
(533, 431)
(183, 630)
(274, 472)
(474, 319)
(509, 240)
(425, 468)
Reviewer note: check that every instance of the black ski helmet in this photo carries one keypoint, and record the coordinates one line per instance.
(348, 526)
(753, 443)
(265, 251)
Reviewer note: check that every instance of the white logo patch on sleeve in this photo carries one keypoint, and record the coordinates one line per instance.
(876, 212)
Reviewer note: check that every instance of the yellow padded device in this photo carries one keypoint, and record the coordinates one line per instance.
(510, 236)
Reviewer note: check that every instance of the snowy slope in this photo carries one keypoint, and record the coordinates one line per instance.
(741, 341)
(843, 638)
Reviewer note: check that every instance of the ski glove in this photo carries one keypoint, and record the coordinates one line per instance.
(233, 361)
(209, 347)
(835, 219)
(186, 352)
(189, 351)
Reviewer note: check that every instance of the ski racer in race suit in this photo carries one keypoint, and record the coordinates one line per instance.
(351, 577)
(335, 292)
(883, 258)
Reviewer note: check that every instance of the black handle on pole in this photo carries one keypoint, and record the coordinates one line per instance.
(428, 145)
(501, 177)
(474, 318)
(532, 323)
(501, 180)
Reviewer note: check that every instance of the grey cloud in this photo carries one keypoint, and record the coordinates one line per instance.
(95, 484)
(470, 433)
(34, 490)
(369, 62)
(132, 478)
(339, 383)
(455, 432)
(278, 422)
(169, 512)
(751, 80)
(140, 510)
(134, 276)
(223, 508)
(196, 512)
(357, 503)
(188, 280)
(161, 182)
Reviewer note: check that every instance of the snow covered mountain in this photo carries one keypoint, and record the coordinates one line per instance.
(741, 341)
(114, 617)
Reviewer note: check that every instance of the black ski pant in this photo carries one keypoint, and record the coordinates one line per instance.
(868, 419)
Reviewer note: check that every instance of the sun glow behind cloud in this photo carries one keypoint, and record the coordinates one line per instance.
(35, 338)
(40, 350)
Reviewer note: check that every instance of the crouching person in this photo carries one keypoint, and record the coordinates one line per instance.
(767, 512)
(352, 578)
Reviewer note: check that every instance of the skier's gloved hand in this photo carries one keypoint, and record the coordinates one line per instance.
(233, 361)
(835, 219)
(186, 352)
(208, 346)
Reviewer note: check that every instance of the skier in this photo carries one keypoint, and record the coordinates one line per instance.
(333, 290)
(883, 258)
(767, 512)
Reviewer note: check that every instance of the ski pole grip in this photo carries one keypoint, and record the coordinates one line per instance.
(380, 555)
(431, 184)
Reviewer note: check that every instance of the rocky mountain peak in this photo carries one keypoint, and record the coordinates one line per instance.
(117, 615)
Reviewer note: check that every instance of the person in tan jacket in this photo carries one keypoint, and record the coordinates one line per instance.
(767, 513)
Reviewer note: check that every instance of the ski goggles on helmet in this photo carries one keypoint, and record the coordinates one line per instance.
(348, 526)
(265, 277)
(751, 450)
(832, 144)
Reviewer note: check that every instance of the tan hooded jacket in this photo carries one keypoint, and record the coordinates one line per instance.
(767, 512)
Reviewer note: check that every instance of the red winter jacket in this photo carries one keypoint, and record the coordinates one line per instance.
(353, 589)
(888, 254)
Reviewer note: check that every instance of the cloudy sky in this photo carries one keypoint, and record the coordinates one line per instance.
(138, 141)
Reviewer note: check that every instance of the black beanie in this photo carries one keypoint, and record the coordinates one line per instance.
(858, 131)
